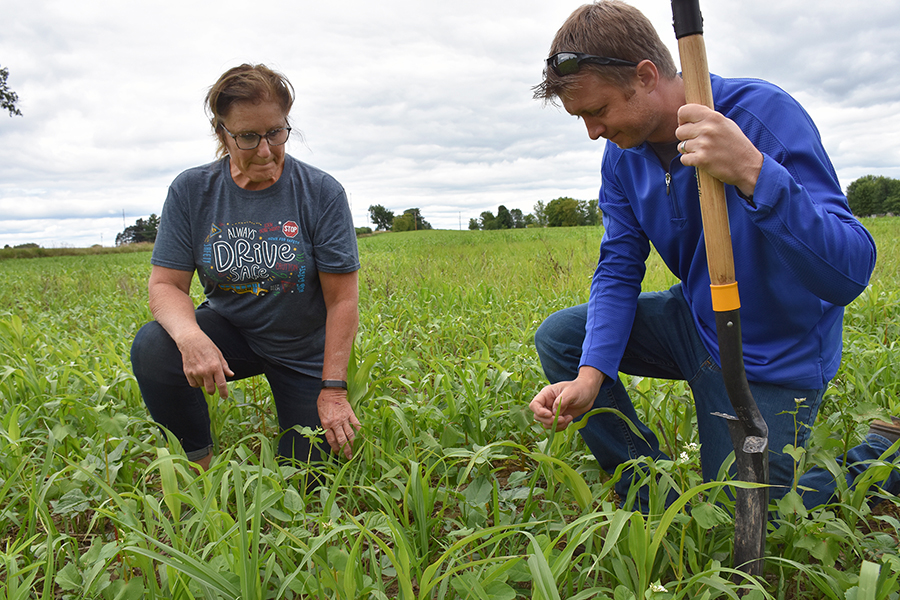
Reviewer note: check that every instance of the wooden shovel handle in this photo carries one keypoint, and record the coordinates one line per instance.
(716, 229)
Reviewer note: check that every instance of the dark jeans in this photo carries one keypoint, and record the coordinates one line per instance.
(182, 409)
(664, 344)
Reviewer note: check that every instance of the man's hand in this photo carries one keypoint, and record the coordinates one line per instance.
(567, 400)
(713, 142)
(338, 420)
(204, 365)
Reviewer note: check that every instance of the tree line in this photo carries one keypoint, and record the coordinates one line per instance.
(561, 212)
(867, 196)
(871, 195)
(386, 220)
(141, 231)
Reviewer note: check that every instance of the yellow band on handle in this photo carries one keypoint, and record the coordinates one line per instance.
(725, 297)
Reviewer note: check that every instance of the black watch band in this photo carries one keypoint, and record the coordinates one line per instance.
(334, 383)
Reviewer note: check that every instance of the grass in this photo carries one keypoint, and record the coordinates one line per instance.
(453, 492)
(39, 252)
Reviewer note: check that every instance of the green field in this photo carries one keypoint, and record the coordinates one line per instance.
(453, 493)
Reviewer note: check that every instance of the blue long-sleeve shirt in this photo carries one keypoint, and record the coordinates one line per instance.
(800, 255)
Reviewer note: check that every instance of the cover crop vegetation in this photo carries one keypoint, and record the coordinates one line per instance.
(453, 492)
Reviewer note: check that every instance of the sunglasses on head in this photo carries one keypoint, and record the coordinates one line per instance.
(567, 63)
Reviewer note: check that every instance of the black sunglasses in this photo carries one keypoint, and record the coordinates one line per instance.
(567, 63)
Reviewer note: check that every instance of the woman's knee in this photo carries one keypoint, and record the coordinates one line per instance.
(153, 352)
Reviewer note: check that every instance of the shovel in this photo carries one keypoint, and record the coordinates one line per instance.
(749, 433)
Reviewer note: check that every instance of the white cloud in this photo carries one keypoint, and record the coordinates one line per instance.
(406, 103)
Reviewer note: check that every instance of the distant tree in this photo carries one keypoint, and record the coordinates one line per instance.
(518, 219)
(410, 221)
(8, 98)
(862, 196)
(892, 203)
(382, 218)
(421, 223)
(564, 212)
(141, 231)
(568, 212)
(363, 231)
(871, 195)
(28, 245)
(403, 223)
(504, 219)
(540, 214)
(589, 211)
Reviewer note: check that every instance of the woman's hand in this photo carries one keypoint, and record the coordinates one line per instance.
(172, 307)
(341, 292)
(338, 420)
(204, 365)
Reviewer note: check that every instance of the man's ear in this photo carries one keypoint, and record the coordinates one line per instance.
(646, 75)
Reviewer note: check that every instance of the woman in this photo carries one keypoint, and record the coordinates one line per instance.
(273, 244)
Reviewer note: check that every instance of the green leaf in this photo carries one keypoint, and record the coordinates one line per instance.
(826, 550)
(61, 431)
(792, 504)
(542, 581)
(522, 417)
(72, 502)
(121, 590)
(795, 452)
(467, 585)
(478, 493)
(708, 515)
(868, 581)
(69, 578)
(113, 425)
(169, 481)
(623, 593)
(568, 477)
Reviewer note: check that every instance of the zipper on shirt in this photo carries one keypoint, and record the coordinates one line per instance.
(668, 182)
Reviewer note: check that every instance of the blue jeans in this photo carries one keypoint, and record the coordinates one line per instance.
(182, 409)
(664, 344)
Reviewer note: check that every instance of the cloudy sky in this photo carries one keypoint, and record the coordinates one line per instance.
(408, 103)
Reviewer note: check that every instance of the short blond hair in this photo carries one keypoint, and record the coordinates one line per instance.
(606, 28)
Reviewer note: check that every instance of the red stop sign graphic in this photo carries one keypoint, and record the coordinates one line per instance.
(290, 229)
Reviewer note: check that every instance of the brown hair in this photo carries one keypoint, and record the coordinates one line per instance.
(246, 83)
(606, 28)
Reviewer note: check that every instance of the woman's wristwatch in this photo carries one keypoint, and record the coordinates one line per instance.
(334, 384)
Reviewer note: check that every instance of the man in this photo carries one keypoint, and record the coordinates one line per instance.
(800, 255)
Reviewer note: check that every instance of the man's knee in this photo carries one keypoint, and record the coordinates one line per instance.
(560, 332)
(543, 337)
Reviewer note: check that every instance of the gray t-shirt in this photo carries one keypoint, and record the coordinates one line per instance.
(258, 253)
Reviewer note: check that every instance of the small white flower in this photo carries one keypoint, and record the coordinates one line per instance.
(656, 587)
(685, 457)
